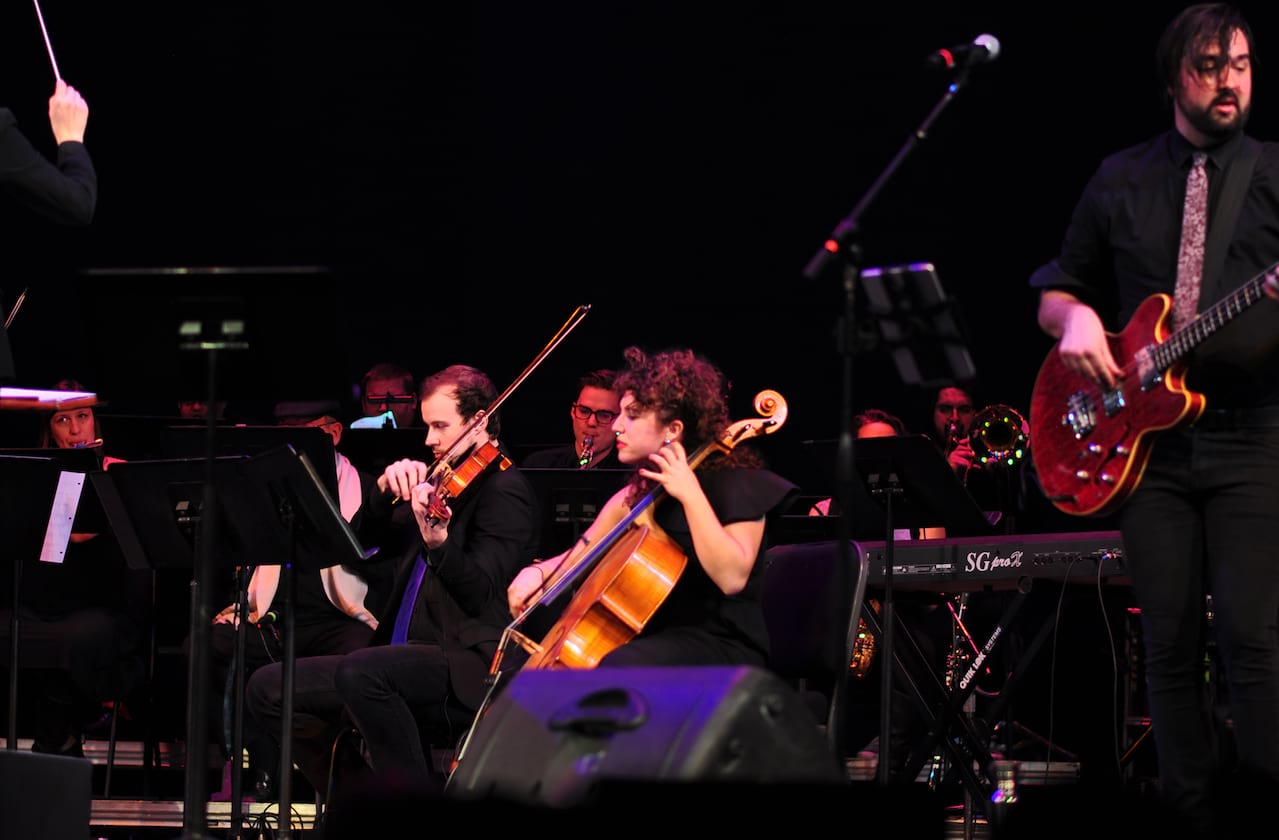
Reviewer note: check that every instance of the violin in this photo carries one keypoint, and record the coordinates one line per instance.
(451, 482)
(454, 469)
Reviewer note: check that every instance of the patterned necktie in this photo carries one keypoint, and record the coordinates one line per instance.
(400, 633)
(1190, 259)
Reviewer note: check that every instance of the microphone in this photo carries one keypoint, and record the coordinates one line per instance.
(983, 48)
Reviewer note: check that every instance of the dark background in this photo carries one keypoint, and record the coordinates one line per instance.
(467, 174)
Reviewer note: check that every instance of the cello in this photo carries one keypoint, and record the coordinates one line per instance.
(628, 575)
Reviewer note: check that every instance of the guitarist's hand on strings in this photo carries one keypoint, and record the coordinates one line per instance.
(1084, 348)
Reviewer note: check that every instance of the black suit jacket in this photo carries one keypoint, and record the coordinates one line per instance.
(462, 604)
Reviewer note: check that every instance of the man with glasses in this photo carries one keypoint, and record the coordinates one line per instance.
(593, 413)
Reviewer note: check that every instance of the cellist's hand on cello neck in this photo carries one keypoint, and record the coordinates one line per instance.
(669, 467)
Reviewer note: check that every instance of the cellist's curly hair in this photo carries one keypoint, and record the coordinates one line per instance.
(679, 384)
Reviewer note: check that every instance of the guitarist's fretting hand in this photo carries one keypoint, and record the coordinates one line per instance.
(1083, 347)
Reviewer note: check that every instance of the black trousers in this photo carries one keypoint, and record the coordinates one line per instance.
(1204, 520)
(263, 646)
(390, 692)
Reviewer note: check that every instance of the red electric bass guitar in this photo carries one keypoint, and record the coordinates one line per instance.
(1090, 444)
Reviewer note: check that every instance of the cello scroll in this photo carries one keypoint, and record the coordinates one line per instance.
(772, 410)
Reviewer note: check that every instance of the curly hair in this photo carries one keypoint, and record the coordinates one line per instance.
(473, 391)
(681, 385)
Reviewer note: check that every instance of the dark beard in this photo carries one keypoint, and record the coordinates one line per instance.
(1204, 122)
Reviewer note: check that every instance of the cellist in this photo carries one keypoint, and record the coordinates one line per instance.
(426, 665)
(672, 403)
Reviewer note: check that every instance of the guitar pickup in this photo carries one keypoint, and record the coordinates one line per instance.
(1114, 402)
(1079, 417)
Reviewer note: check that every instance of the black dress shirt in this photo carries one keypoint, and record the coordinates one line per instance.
(1122, 243)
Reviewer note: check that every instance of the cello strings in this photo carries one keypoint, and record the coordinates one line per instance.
(49, 46)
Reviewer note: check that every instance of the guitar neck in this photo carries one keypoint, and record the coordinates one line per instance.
(1181, 342)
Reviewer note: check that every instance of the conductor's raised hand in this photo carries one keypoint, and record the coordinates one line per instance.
(68, 113)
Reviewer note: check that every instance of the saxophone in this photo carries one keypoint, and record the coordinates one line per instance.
(863, 649)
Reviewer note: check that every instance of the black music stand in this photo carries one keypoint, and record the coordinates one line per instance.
(270, 509)
(185, 441)
(295, 523)
(160, 515)
(915, 322)
(569, 500)
(29, 480)
(910, 482)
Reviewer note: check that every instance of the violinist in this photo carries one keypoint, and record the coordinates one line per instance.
(672, 403)
(425, 669)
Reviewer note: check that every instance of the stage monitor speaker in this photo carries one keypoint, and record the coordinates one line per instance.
(44, 796)
(558, 737)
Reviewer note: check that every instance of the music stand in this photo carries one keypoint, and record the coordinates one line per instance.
(185, 441)
(271, 508)
(28, 486)
(917, 324)
(157, 511)
(909, 480)
(569, 501)
(298, 525)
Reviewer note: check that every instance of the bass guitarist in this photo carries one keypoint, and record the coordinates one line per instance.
(1199, 516)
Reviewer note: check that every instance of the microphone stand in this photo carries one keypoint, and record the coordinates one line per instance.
(843, 244)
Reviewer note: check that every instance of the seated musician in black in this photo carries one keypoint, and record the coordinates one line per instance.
(82, 619)
(672, 404)
(425, 668)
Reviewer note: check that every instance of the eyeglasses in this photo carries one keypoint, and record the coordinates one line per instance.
(605, 416)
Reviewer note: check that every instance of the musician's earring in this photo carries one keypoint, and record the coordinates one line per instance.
(666, 442)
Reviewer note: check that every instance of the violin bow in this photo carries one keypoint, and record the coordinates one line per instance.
(47, 44)
(477, 422)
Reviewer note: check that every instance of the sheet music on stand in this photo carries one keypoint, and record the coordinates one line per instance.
(38, 485)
